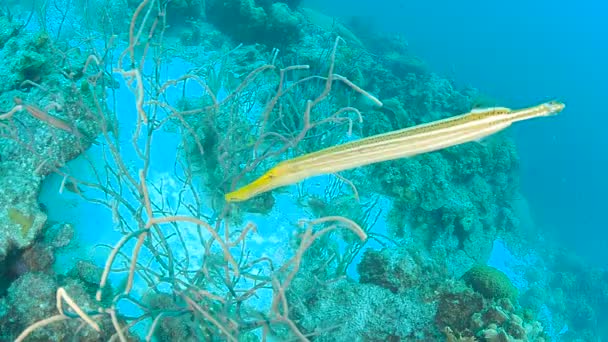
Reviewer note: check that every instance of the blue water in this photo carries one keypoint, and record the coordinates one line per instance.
(522, 52)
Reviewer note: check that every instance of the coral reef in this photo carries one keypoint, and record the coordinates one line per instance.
(446, 207)
(575, 294)
(354, 311)
(32, 298)
(395, 270)
(42, 81)
(8, 29)
(20, 218)
(461, 191)
(29, 284)
(270, 22)
(463, 314)
(50, 123)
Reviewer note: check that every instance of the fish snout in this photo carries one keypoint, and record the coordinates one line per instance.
(554, 107)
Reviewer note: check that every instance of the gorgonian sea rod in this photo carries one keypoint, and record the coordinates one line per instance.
(411, 141)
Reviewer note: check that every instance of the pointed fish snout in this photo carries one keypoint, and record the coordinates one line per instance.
(554, 107)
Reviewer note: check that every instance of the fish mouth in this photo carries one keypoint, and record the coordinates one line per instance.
(554, 107)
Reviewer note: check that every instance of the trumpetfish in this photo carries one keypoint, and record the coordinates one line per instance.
(407, 142)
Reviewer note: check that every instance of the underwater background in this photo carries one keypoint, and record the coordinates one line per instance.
(124, 124)
(520, 51)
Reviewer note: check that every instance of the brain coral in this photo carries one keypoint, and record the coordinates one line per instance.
(490, 282)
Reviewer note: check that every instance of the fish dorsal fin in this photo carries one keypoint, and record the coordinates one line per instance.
(491, 110)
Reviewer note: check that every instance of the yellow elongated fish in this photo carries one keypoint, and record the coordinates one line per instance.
(402, 143)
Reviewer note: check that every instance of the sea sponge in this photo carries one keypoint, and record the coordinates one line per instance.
(490, 282)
